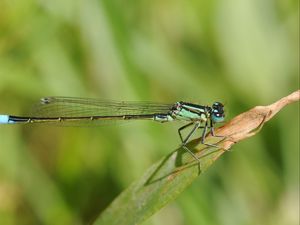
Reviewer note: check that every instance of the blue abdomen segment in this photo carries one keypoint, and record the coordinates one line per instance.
(4, 119)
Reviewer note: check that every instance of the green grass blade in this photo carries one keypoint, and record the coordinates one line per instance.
(161, 183)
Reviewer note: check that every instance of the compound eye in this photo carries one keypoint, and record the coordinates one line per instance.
(218, 112)
(215, 111)
(217, 117)
(217, 105)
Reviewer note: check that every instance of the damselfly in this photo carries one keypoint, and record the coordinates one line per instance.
(82, 111)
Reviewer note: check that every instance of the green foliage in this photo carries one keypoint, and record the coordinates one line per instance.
(243, 53)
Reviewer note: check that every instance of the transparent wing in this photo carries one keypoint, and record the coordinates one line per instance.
(84, 107)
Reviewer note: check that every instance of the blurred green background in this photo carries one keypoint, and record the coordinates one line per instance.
(244, 53)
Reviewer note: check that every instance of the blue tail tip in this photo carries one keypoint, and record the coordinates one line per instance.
(4, 119)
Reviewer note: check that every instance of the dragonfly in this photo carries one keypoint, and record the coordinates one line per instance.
(87, 111)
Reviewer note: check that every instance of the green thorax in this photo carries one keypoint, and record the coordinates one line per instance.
(190, 112)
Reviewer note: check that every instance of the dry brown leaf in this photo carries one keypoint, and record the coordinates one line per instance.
(249, 123)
